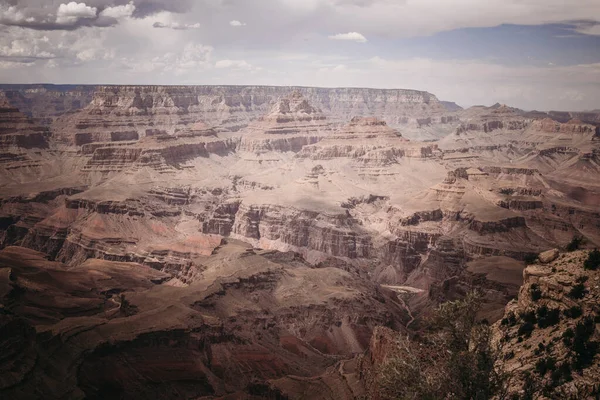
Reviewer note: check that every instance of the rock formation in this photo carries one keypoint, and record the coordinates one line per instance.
(106, 328)
(16, 130)
(331, 185)
(548, 335)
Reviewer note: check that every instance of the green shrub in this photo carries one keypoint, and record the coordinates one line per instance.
(561, 375)
(530, 258)
(578, 291)
(568, 336)
(456, 359)
(574, 243)
(528, 316)
(593, 260)
(535, 292)
(544, 365)
(509, 320)
(547, 317)
(573, 312)
(585, 349)
(525, 329)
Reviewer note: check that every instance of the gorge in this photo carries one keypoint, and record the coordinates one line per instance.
(221, 242)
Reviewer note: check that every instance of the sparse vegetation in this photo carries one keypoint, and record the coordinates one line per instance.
(530, 258)
(568, 336)
(547, 317)
(529, 316)
(574, 243)
(509, 320)
(525, 329)
(573, 312)
(544, 365)
(584, 348)
(535, 292)
(454, 360)
(593, 260)
(578, 291)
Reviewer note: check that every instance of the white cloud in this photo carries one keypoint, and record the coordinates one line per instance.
(72, 12)
(93, 54)
(234, 64)
(11, 15)
(176, 26)
(193, 57)
(350, 36)
(588, 28)
(236, 23)
(26, 48)
(118, 12)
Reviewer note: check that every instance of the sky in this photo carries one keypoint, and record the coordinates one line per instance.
(532, 54)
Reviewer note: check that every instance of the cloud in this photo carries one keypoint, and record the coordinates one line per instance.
(71, 13)
(176, 26)
(25, 51)
(234, 64)
(46, 15)
(587, 27)
(26, 47)
(93, 54)
(350, 36)
(118, 12)
(146, 8)
(235, 22)
(193, 57)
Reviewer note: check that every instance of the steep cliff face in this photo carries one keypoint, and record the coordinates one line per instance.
(170, 109)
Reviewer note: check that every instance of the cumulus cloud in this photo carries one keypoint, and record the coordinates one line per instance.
(350, 36)
(234, 64)
(236, 23)
(49, 15)
(71, 13)
(118, 12)
(25, 51)
(176, 26)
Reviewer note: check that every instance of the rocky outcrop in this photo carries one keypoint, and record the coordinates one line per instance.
(302, 230)
(368, 140)
(291, 124)
(572, 126)
(497, 226)
(161, 153)
(548, 336)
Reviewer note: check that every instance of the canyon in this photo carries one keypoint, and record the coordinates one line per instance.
(230, 241)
